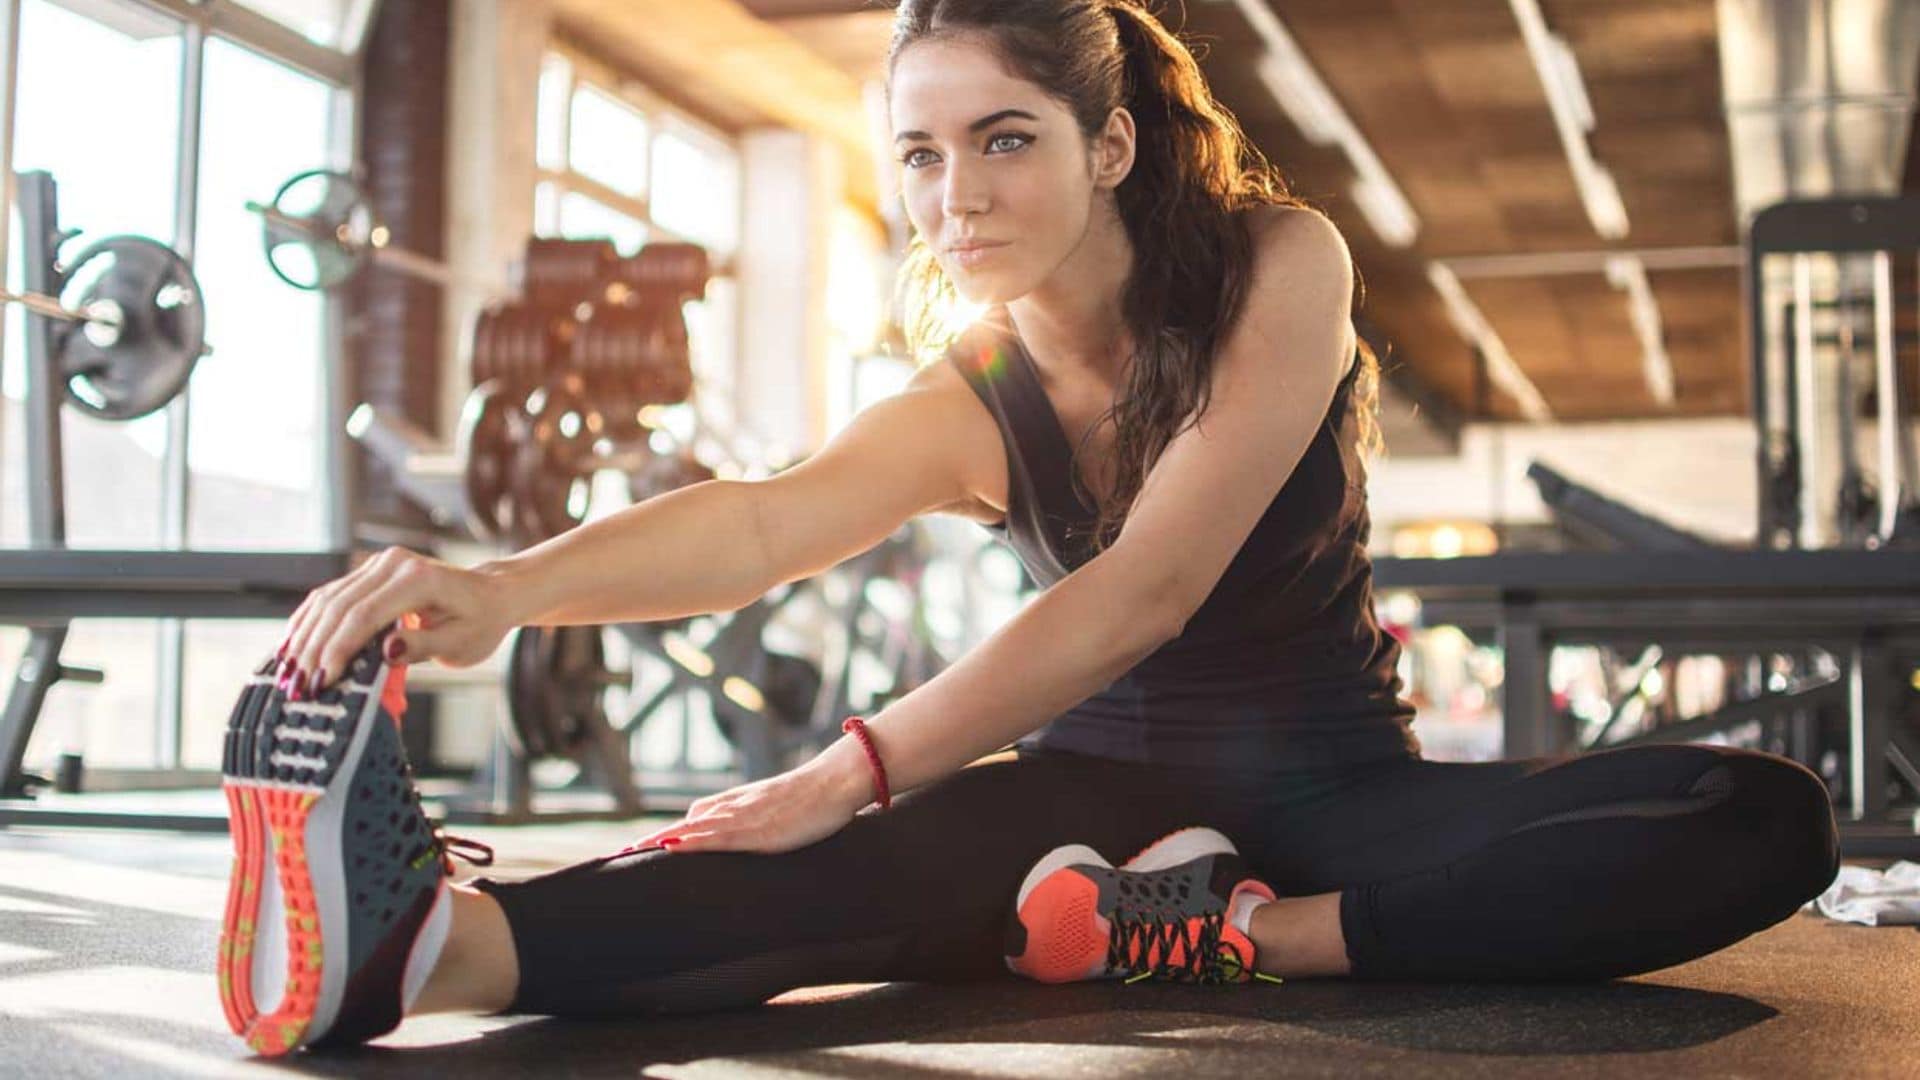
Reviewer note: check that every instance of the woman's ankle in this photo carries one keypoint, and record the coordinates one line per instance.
(1300, 936)
(477, 969)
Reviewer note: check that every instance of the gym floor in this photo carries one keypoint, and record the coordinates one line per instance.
(106, 969)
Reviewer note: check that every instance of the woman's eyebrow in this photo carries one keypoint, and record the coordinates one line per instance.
(985, 121)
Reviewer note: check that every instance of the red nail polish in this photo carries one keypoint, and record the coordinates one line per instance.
(669, 842)
(300, 686)
(394, 649)
(320, 681)
(281, 652)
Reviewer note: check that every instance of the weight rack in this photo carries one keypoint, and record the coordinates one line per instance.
(47, 585)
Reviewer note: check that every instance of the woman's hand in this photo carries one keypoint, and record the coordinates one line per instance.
(458, 617)
(781, 813)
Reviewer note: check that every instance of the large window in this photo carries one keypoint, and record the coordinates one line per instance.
(859, 373)
(696, 185)
(616, 163)
(102, 100)
(127, 68)
(257, 446)
(607, 141)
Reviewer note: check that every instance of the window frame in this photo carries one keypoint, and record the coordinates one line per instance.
(662, 117)
(337, 68)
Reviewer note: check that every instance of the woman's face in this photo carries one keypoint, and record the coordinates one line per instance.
(987, 159)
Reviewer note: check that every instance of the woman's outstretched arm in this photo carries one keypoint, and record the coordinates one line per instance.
(710, 547)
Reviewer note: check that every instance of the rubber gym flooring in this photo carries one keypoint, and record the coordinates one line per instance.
(107, 939)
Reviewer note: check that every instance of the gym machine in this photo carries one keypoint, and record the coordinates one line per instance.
(115, 331)
(1821, 306)
(1823, 611)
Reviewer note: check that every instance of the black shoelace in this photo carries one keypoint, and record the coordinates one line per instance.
(473, 851)
(1142, 943)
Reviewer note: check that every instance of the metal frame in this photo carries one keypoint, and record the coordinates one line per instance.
(47, 586)
(1821, 226)
(9, 98)
(171, 634)
(200, 21)
(274, 40)
(1862, 606)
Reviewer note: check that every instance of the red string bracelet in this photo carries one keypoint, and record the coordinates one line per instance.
(858, 728)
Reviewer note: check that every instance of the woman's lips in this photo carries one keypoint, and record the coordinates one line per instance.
(973, 255)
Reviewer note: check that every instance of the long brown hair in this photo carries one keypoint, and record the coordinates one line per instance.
(1193, 171)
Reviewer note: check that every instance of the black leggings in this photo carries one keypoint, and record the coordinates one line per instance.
(1590, 867)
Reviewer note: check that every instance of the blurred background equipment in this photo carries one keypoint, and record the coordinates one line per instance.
(115, 332)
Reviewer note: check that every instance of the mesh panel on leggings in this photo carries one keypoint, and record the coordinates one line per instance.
(1710, 788)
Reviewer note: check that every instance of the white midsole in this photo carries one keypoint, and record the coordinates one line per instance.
(269, 943)
(1178, 847)
(427, 943)
(1169, 851)
(1069, 855)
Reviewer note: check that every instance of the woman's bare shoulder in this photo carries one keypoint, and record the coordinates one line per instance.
(955, 414)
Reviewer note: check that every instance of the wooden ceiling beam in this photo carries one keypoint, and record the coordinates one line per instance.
(720, 53)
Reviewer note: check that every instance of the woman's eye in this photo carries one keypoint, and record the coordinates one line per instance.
(1005, 142)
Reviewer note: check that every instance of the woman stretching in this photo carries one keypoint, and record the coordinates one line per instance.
(1165, 411)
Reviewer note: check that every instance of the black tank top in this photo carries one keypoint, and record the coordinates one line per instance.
(1283, 667)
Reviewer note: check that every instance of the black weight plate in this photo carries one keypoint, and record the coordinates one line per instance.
(486, 451)
(565, 424)
(559, 273)
(323, 231)
(788, 685)
(575, 661)
(556, 685)
(162, 332)
(791, 686)
(527, 722)
(543, 499)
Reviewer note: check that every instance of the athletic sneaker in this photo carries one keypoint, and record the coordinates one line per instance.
(1162, 914)
(339, 881)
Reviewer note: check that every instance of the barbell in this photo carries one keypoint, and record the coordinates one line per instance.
(135, 325)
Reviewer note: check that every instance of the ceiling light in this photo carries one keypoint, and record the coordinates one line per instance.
(1629, 274)
(1473, 326)
(1300, 92)
(1559, 72)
